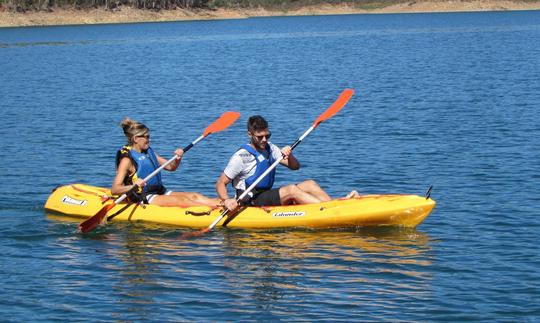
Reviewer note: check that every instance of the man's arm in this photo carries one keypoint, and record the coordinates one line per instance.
(288, 159)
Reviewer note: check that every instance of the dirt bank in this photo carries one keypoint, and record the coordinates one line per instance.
(127, 15)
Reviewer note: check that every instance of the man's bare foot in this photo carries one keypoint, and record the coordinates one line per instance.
(352, 194)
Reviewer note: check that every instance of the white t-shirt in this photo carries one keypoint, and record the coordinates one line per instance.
(242, 165)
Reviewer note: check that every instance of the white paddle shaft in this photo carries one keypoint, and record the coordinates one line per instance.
(260, 178)
(160, 168)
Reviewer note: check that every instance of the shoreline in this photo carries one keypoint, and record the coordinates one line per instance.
(130, 15)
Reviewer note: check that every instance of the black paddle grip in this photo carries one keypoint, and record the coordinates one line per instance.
(188, 147)
(296, 143)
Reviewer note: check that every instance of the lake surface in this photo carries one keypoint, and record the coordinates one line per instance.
(450, 100)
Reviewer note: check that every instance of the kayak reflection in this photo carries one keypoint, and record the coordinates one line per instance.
(351, 269)
(398, 246)
(262, 272)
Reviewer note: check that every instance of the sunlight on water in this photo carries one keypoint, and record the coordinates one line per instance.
(448, 100)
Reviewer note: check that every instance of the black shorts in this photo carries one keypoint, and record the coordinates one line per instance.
(267, 198)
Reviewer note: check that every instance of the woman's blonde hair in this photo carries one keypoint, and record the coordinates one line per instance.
(133, 128)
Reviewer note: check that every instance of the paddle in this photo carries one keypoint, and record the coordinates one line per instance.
(343, 98)
(222, 123)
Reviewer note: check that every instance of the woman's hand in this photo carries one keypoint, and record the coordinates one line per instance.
(139, 183)
(179, 153)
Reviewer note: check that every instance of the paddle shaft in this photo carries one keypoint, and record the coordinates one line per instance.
(222, 123)
(260, 178)
(341, 101)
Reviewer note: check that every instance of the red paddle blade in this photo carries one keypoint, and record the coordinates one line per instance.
(222, 123)
(91, 223)
(343, 98)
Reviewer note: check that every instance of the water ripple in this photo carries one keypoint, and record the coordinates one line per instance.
(448, 100)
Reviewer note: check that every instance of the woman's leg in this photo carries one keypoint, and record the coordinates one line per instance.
(199, 199)
(185, 199)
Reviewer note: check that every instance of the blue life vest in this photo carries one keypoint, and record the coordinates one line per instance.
(262, 165)
(145, 163)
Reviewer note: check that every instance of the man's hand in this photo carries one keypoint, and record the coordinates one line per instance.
(286, 152)
(230, 204)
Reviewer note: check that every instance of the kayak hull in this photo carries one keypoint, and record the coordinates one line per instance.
(85, 201)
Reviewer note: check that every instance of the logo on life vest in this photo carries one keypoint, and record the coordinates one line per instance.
(68, 200)
(287, 214)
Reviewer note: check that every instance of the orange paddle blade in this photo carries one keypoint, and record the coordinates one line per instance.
(93, 222)
(222, 123)
(343, 98)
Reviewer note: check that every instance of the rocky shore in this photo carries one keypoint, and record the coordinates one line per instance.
(130, 15)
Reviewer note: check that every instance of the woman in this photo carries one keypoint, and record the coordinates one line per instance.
(137, 159)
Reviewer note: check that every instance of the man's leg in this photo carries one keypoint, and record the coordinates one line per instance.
(311, 187)
(293, 194)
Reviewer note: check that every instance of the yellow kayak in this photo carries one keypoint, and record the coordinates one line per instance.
(84, 201)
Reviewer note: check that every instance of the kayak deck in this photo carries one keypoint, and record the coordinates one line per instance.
(84, 201)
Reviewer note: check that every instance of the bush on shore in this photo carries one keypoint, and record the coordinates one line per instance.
(50, 5)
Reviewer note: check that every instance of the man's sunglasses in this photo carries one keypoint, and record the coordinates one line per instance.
(262, 136)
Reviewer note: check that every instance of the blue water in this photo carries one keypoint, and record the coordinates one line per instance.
(450, 100)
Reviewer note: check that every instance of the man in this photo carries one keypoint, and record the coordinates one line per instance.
(252, 159)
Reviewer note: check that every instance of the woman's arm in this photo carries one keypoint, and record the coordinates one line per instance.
(123, 170)
(175, 164)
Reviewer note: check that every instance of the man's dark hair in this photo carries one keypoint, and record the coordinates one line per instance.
(256, 123)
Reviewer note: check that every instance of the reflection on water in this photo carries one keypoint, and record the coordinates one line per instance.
(264, 271)
(276, 264)
(468, 81)
(47, 43)
(363, 31)
(390, 241)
